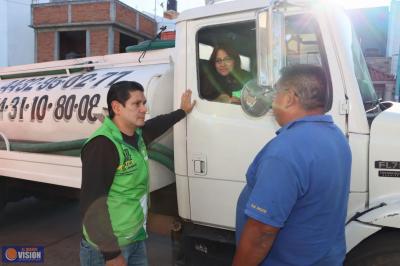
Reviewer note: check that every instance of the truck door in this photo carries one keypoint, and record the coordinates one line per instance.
(221, 139)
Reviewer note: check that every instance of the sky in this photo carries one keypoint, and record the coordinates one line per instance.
(149, 5)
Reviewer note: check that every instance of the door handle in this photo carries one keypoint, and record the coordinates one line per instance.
(199, 164)
(199, 167)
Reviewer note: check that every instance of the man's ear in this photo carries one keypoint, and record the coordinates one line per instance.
(290, 98)
(116, 107)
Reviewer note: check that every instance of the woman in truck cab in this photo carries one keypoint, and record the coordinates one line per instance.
(223, 78)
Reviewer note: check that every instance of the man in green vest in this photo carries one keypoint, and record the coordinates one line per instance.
(115, 177)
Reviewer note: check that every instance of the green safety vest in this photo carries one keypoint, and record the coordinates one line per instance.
(128, 195)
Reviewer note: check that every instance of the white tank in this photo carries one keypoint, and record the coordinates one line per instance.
(63, 107)
(46, 114)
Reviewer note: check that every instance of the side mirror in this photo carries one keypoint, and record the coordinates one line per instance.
(256, 101)
(257, 96)
(271, 55)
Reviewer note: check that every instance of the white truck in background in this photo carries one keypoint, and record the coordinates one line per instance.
(53, 107)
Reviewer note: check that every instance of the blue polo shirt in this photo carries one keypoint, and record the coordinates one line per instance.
(299, 182)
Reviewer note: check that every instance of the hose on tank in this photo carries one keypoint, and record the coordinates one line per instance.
(156, 151)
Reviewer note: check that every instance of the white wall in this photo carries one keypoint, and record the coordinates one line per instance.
(17, 43)
(21, 44)
(3, 33)
(394, 34)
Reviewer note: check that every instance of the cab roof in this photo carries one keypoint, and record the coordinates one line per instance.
(232, 7)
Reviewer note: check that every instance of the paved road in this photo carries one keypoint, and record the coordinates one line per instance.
(56, 226)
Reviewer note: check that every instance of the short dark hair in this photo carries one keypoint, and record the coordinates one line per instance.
(119, 92)
(309, 83)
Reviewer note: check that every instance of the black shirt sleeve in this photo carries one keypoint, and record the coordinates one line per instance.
(155, 127)
(99, 162)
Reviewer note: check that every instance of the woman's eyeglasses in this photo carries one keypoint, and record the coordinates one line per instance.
(224, 60)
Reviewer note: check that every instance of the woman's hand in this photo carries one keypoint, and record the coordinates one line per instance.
(234, 100)
(225, 98)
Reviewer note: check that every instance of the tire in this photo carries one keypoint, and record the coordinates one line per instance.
(381, 249)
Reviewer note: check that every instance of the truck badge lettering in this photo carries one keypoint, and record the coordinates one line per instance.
(387, 165)
(389, 173)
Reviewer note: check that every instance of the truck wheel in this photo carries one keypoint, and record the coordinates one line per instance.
(381, 249)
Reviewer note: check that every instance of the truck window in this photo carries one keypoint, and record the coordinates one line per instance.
(222, 74)
(226, 60)
(368, 94)
(304, 46)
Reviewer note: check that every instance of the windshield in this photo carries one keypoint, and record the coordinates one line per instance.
(368, 94)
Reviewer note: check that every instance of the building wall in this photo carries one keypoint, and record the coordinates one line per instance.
(125, 16)
(50, 15)
(103, 20)
(393, 46)
(117, 36)
(17, 38)
(98, 41)
(45, 46)
(146, 25)
(382, 64)
(90, 12)
(3, 33)
(384, 87)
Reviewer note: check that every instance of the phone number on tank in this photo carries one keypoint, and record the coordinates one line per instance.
(64, 108)
(63, 82)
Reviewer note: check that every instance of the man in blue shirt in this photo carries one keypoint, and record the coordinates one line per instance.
(293, 209)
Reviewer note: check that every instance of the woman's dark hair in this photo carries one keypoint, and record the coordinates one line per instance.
(230, 51)
(119, 92)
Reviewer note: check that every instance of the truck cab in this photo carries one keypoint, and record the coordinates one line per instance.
(219, 140)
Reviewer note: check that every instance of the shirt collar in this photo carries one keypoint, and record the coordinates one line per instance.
(308, 118)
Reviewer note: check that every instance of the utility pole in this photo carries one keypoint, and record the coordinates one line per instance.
(155, 10)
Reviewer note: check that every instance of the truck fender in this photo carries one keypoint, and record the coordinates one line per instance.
(388, 215)
(385, 213)
(366, 223)
(357, 232)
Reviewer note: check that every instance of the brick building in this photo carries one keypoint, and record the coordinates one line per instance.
(372, 26)
(384, 82)
(69, 29)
